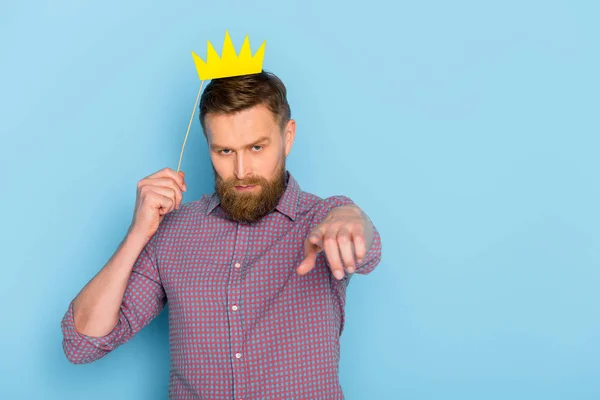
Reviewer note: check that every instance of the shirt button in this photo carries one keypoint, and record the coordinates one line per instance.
(234, 308)
(237, 265)
(238, 355)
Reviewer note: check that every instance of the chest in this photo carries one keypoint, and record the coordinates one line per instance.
(217, 261)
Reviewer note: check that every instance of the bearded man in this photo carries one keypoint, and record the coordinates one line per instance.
(255, 273)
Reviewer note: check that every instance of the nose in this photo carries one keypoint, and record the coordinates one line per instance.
(242, 166)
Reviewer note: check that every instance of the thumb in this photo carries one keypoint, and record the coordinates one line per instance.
(312, 247)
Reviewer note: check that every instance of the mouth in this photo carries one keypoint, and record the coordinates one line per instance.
(244, 188)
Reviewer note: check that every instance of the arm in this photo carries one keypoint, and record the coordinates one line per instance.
(116, 304)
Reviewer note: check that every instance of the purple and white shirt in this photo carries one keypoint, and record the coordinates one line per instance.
(242, 323)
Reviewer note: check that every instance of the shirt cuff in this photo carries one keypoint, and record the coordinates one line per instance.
(372, 257)
(107, 342)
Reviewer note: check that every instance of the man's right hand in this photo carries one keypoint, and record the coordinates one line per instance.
(157, 195)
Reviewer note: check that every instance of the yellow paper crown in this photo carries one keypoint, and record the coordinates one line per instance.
(229, 64)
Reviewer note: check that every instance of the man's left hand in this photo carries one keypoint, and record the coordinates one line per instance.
(346, 231)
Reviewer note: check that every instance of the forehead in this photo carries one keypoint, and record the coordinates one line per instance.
(242, 127)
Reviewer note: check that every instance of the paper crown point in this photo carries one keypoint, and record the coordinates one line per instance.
(229, 64)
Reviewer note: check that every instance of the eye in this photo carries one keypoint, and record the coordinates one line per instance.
(259, 147)
(224, 151)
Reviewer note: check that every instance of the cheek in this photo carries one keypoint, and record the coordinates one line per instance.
(221, 166)
(266, 162)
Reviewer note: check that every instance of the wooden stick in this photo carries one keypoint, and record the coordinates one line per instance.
(190, 124)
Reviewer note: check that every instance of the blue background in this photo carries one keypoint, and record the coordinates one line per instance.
(467, 130)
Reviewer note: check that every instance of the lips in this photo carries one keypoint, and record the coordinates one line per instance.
(248, 187)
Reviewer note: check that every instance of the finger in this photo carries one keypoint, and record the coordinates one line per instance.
(333, 253)
(316, 238)
(160, 181)
(160, 197)
(163, 204)
(360, 248)
(170, 173)
(172, 185)
(311, 250)
(345, 244)
(177, 177)
(183, 180)
(166, 182)
(166, 192)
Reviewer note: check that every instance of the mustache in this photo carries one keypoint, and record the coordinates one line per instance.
(247, 182)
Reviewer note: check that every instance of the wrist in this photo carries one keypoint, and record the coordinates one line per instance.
(136, 238)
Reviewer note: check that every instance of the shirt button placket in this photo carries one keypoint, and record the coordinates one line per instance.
(235, 296)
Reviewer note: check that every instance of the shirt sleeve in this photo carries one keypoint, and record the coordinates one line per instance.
(143, 300)
(373, 256)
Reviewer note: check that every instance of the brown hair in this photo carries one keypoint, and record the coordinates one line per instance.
(237, 93)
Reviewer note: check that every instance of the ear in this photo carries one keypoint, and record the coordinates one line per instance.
(289, 135)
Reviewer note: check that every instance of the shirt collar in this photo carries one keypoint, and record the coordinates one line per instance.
(287, 203)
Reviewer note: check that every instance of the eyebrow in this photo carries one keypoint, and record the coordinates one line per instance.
(215, 146)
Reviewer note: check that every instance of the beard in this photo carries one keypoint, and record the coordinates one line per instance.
(253, 205)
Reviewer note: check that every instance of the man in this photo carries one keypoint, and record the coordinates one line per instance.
(255, 273)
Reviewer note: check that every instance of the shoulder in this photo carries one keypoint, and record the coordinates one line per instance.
(188, 214)
(316, 206)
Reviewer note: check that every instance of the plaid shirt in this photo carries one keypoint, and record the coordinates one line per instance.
(242, 323)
